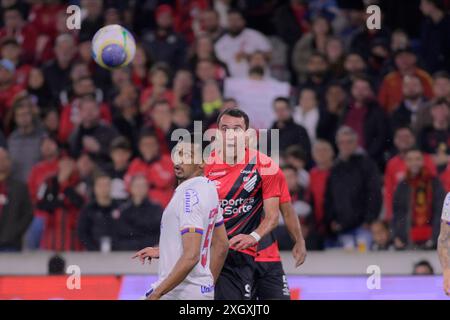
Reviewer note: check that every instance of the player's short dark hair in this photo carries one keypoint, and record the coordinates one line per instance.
(441, 75)
(147, 133)
(288, 167)
(439, 102)
(9, 41)
(414, 149)
(296, 152)
(120, 143)
(403, 127)
(282, 99)
(196, 139)
(99, 174)
(235, 113)
(235, 11)
(424, 263)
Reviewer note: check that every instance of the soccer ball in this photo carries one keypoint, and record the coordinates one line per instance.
(113, 47)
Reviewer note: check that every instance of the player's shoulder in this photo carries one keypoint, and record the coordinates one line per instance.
(265, 164)
(198, 184)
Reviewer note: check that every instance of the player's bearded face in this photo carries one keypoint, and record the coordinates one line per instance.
(187, 162)
(232, 136)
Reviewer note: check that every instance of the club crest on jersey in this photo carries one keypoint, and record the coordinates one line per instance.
(190, 200)
(250, 184)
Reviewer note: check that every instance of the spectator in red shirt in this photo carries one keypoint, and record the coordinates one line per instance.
(395, 172)
(156, 167)
(139, 67)
(17, 27)
(417, 205)
(323, 155)
(161, 122)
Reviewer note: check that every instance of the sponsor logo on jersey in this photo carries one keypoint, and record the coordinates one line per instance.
(236, 206)
(218, 173)
(190, 200)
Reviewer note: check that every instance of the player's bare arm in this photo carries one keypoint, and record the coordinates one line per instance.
(293, 226)
(184, 265)
(147, 253)
(269, 223)
(444, 254)
(219, 250)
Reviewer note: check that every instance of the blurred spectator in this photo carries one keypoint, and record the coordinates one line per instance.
(156, 167)
(335, 53)
(11, 50)
(412, 104)
(211, 100)
(435, 139)
(417, 205)
(323, 156)
(50, 122)
(157, 90)
(291, 22)
(296, 157)
(335, 104)
(435, 38)
(39, 90)
(39, 174)
(353, 194)
(164, 45)
(9, 90)
(381, 236)
(210, 24)
(24, 142)
(255, 95)
(290, 133)
(399, 40)
(139, 67)
(395, 171)
(423, 268)
(17, 27)
(97, 224)
(362, 40)
(379, 60)
(161, 122)
(390, 92)
(317, 73)
(354, 66)
(140, 220)
(91, 135)
(16, 210)
(120, 154)
(312, 42)
(367, 119)
(93, 18)
(70, 113)
(441, 90)
(127, 120)
(86, 168)
(56, 72)
(307, 112)
(234, 47)
(204, 50)
(59, 201)
(182, 87)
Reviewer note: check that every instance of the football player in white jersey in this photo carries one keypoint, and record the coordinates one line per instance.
(193, 243)
(444, 244)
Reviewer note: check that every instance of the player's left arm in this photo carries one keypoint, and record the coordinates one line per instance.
(295, 231)
(443, 246)
(270, 221)
(185, 264)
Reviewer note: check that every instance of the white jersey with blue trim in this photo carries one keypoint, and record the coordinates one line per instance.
(446, 209)
(194, 207)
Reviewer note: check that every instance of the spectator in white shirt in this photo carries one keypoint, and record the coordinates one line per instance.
(234, 47)
(307, 113)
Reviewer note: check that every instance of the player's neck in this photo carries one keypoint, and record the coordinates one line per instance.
(196, 174)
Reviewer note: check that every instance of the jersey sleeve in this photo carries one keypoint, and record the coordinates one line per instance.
(285, 196)
(219, 218)
(446, 209)
(268, 170)
(191, 220)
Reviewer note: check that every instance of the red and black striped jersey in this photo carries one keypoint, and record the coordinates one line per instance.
(242, 189)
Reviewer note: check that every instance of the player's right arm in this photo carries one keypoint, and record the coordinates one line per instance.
(444, 244)
(219, 250)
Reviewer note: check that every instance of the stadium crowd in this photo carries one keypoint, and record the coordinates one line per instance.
(363, 116)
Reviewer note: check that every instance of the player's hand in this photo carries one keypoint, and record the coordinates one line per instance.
(147, 253)
(299, 252)
(242, 241)
(154, 296)
(447, 282)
